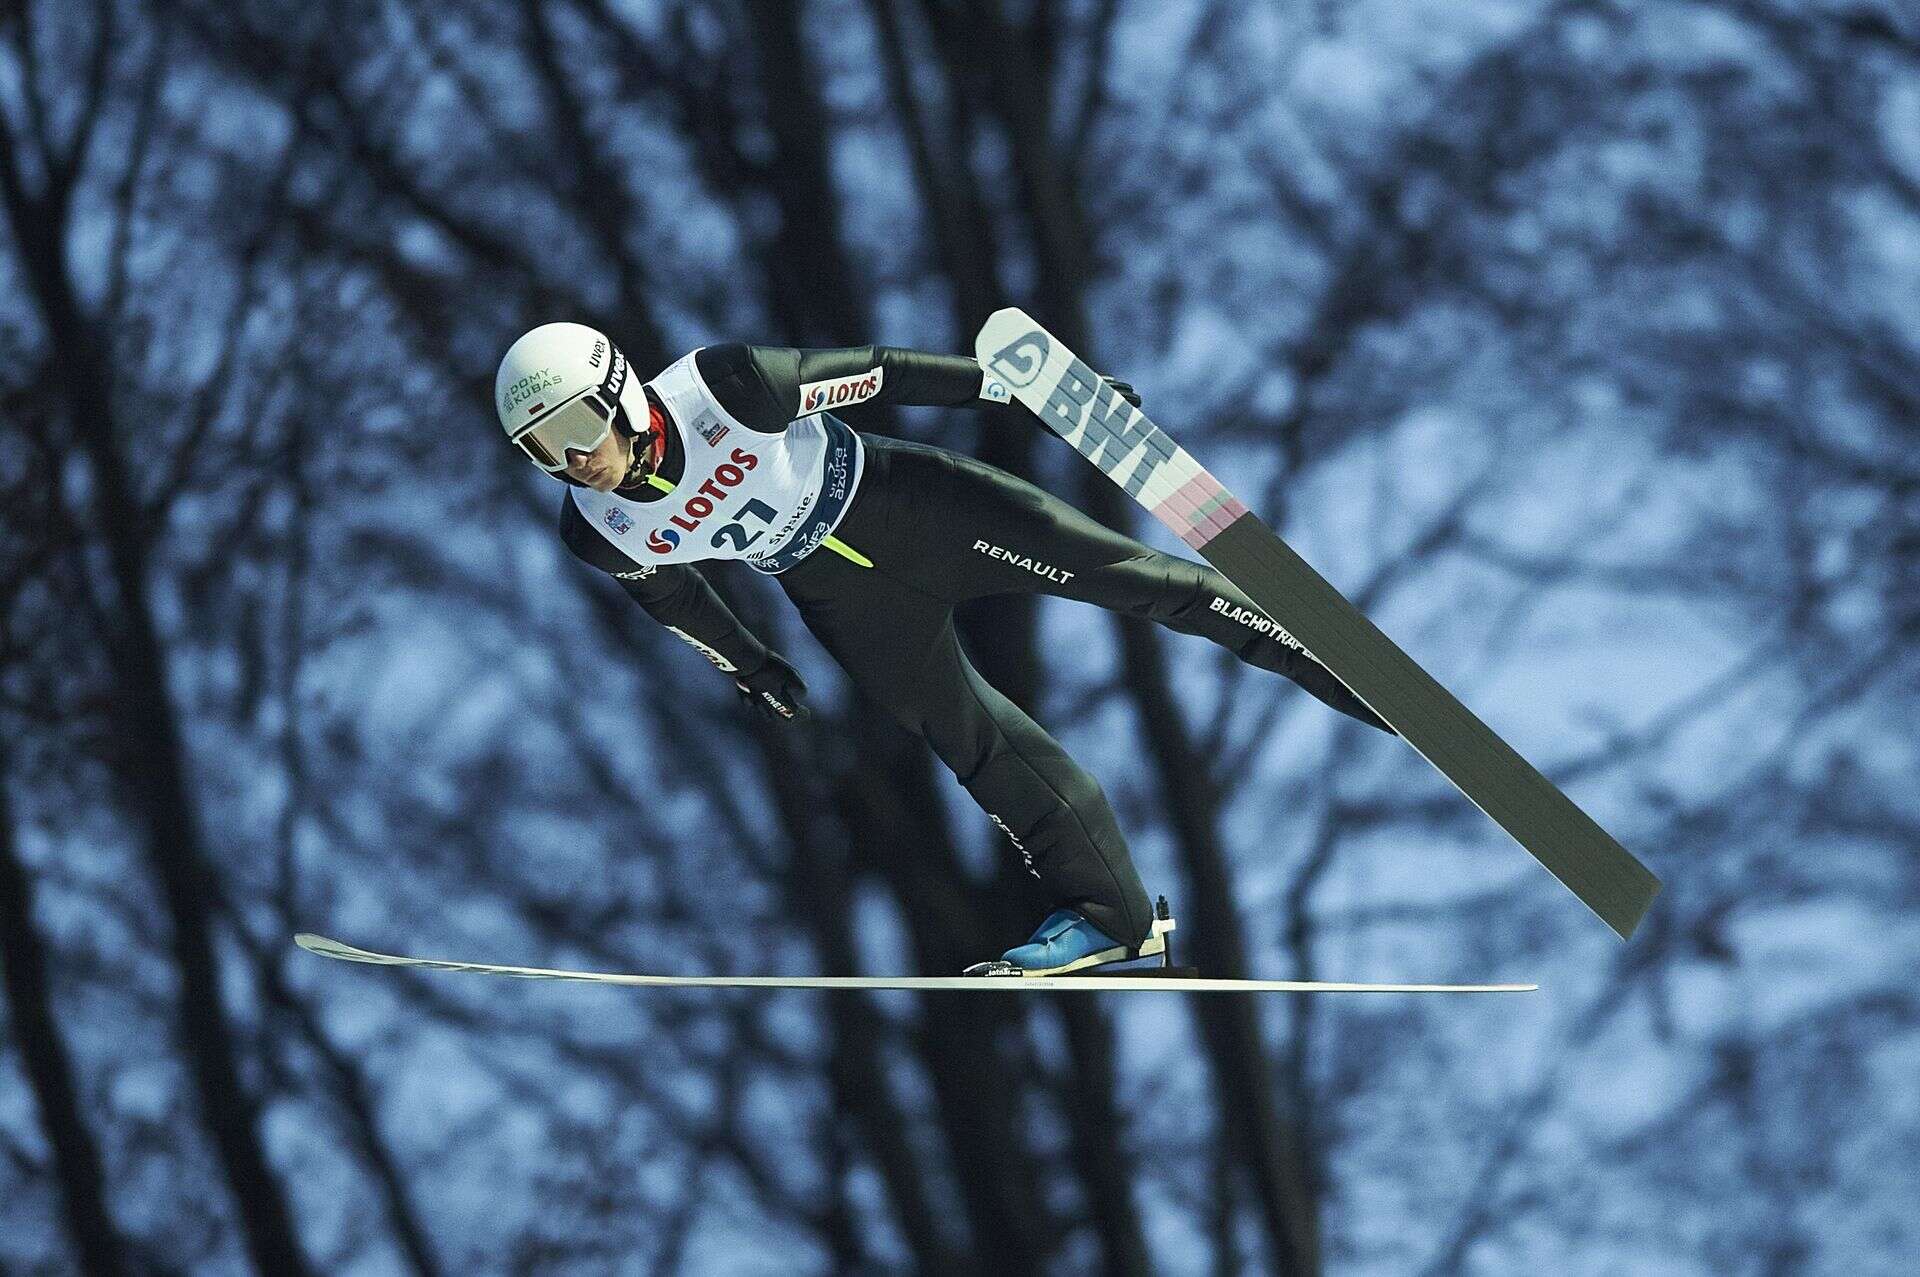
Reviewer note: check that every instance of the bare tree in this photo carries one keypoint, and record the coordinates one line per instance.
(47, 162)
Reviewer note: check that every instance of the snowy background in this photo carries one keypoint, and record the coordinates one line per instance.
(1578, 342)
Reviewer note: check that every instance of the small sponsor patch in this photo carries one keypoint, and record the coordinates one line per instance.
(994, 390)
(531, 386)
(1026, 857)
(818, 396)
(1025, 562)
(718, 661)
(710, 428)
(618, 520)
(1258, 622)
(616, 378)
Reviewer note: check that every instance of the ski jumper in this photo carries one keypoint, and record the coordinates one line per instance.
(763, 474)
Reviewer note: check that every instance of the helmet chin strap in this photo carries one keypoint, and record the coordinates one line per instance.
(649, 449)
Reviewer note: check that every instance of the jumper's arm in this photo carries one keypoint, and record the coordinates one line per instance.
(765, 387)
(674, 594)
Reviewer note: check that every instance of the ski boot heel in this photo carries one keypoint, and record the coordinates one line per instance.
(1159, 943)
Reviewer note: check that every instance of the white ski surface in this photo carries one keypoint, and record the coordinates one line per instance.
(957, 983)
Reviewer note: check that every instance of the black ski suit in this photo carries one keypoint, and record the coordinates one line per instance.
(942, 528)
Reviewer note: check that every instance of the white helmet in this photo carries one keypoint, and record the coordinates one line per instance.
(561, 387)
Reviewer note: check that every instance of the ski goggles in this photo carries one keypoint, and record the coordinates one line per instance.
(580, 424)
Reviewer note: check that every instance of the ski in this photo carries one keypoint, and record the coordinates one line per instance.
(1137, 455)
(1141, 980)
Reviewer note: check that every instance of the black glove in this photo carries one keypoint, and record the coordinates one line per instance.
(1123, 389)
(775, 690)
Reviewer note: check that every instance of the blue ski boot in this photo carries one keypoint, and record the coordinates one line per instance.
(1067, 941)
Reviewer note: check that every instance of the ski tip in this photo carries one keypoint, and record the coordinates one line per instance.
(326, 947)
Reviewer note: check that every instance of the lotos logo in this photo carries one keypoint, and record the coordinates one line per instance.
(1020, 360)
(817, 396)
(663, 540)
(713, 491)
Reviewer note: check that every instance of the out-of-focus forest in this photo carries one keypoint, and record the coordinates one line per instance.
(1577, 341)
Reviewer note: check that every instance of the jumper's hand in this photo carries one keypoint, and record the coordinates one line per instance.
(775, 689)
(1123, 389)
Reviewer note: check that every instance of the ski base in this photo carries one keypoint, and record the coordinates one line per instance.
(1007, 971)
(1157, 979)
